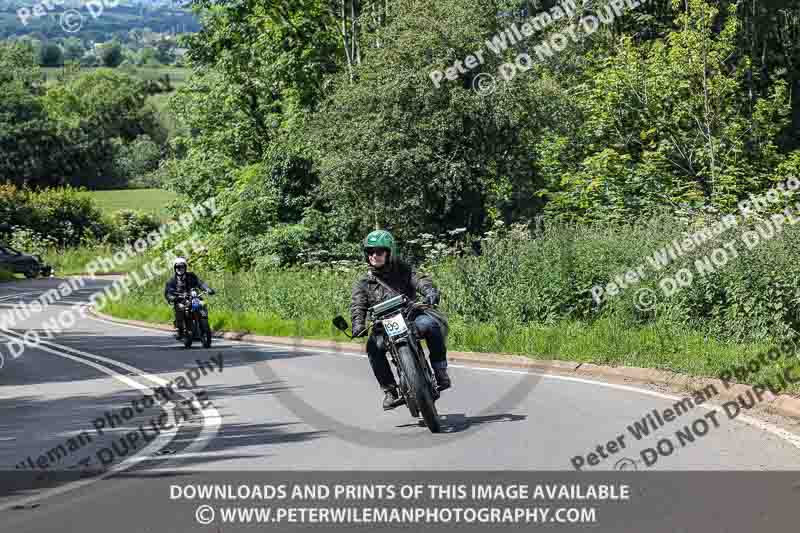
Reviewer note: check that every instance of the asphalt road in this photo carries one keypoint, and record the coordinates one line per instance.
(275, 408)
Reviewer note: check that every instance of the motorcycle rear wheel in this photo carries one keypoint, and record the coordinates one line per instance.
(419, 389)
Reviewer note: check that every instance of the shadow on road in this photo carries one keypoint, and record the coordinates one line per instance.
(155, 354)
(34, 427)
(456, 423)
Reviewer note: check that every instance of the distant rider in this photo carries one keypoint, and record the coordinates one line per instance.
(181, 284)
(380, 254)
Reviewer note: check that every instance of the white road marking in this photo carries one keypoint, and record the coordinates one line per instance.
(791, 438)
(211, 417)
(158, 443)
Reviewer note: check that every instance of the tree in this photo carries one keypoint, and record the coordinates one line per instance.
(51, 55)
(147, 56)
(98, 110)
(668, 122)
(111, 54)
(165, 53)
(73, 49)
(33, 149)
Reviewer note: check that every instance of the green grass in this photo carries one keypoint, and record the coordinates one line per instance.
(177, 75)
(152, 201)
(71, 261)
(605, 342)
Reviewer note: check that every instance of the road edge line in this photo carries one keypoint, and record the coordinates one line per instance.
(784, 405)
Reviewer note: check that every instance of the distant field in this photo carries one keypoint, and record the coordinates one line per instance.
(148, 200)
(177, 75)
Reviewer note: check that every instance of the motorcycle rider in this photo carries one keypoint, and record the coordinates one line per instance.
(380, 254)
(182, 283)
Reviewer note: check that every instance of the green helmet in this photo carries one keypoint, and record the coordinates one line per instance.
(379, 239)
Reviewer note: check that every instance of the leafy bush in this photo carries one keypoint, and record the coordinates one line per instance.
(60, 215)
(65, 215)
(135, 161)
(131, 225)
(28, 241)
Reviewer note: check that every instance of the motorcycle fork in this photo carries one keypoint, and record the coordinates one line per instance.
(392, 349)
(423, 357)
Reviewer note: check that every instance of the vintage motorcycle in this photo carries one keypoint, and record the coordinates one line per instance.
(416, 384)
(195, 319)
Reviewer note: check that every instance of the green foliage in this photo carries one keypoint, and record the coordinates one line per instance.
(66, 215)
(135, 161)
(28, 241)
(667, 122)
(73, 49)
(88, 129)
(30, 142)
(61, 216)
(132, 225)
(110, 54)
(454, 154)
(51, 55)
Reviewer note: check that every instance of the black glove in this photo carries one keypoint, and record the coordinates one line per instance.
(358, 330)
(211, 291)
(432, 298)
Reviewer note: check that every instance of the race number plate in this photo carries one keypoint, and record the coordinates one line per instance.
(395, 325)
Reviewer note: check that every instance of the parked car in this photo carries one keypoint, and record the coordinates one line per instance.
(31, 266)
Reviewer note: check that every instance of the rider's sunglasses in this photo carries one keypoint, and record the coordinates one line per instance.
(375, 251)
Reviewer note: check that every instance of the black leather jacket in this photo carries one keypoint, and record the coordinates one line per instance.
(398, 275)
(190, 281)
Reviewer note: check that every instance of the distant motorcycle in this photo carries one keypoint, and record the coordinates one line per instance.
(417, 384)
(195, 319)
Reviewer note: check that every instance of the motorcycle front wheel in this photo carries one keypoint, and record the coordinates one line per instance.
(411, 402)
(205, 333)
(189, 332)
(419, 389)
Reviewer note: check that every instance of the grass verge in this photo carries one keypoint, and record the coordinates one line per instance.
(72, 261)
(605, 342)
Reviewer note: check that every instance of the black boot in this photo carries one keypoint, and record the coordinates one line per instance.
(442, 379)
(392, 399)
